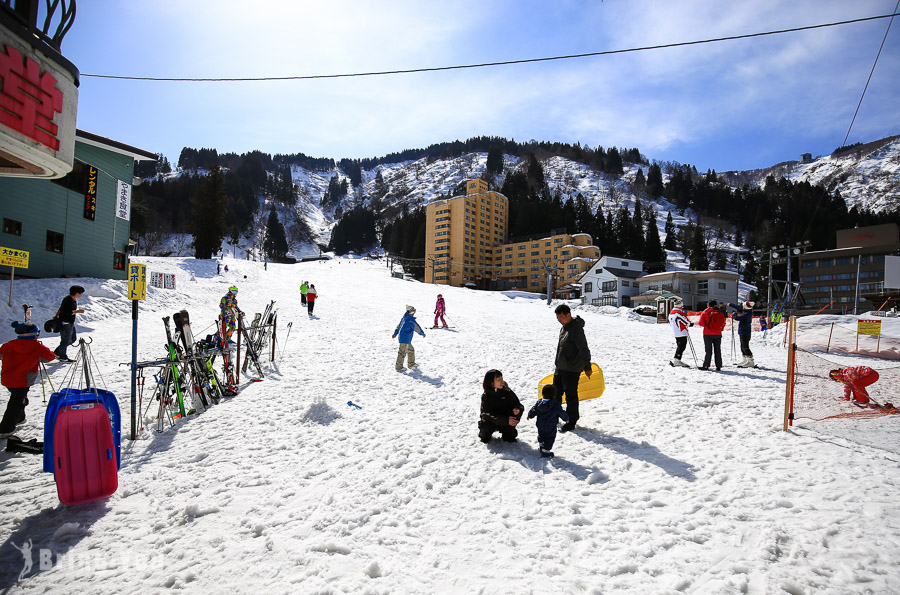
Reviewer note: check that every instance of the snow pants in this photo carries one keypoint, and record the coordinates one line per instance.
(310, 304)
(545, 441)
(15, 409)
(303, 298)
(441, 316)
(745, 345)
(712, 343)
(680, 345)
(566, 383)
(857, 387)
(486, 429)
(406, 349)
(229, 322)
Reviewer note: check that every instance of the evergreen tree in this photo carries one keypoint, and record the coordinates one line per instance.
(275, 245)
(699, 252)
(637, 225)
(640, 183)
(655, 185)
(208, 207)
(654, 255)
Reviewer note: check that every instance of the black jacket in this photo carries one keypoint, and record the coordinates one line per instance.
(67, 309)
(497, 406)
(572, 353)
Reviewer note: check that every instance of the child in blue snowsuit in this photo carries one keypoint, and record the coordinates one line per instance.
(548, 410)
(405, 329)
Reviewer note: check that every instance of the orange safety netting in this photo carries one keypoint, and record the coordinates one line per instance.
(816, 396)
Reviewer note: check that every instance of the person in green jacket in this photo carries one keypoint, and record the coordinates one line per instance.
(303, 289)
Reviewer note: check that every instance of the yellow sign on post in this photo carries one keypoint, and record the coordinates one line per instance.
(13, 257)
(868, 327)
(137, 281)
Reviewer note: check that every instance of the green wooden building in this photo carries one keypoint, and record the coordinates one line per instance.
(77, 225)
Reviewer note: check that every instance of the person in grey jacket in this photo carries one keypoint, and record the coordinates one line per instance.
(572, 357)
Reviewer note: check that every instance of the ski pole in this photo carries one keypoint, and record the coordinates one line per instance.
(691, 343)
(352, 404)
(286, 337)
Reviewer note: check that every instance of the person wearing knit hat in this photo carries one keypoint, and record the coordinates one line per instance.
(405, 329)
(20, 359)
(744, 315)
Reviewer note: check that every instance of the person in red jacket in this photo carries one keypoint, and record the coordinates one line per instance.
(311, 295)
(20, 358)
(855, 381)
(713, 322)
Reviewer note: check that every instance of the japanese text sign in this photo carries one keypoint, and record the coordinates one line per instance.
(123, 200)
(28, 99)
(13, 258)
(90, 193)
(868, 327)
(137, 281)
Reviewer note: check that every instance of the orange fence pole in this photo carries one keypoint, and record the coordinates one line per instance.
(884, 304)
(789, 385)
(828, 304)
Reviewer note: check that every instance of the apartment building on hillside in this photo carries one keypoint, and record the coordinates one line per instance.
(466, 245)
(461, 234)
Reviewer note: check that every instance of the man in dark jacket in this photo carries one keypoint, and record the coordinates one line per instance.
(572, 357)
(501, 409)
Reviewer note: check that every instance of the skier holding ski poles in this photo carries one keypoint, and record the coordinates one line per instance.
(679, 323)
(439, 309)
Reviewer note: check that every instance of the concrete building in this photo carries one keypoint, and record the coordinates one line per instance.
(695, 288)
(525, 262)
(466, 245)
(611, 281)
(77, 225)
(461, 234)
(829, 277)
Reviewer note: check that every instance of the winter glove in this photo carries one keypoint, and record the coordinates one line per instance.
(394, 336)
(692, 324)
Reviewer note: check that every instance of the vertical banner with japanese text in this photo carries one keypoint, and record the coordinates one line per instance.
(90, 193)
(123, 200)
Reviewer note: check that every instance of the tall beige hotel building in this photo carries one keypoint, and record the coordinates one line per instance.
(467, 244)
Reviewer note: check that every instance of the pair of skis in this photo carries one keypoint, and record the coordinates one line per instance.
(259, 333)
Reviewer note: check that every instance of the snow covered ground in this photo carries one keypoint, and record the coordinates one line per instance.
(676, 481)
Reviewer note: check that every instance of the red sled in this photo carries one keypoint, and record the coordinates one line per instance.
(85, 466)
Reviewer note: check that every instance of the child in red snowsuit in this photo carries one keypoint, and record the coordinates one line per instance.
(20, 369)
(855, 380)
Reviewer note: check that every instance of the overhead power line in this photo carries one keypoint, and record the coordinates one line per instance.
(489, 64)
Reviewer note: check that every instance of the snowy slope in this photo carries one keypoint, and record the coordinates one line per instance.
(677, 481)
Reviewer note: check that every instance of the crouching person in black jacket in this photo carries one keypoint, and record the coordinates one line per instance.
(500, 409)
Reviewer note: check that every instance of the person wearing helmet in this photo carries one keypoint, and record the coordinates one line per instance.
(405, 329)
(743, 313)
(439, 309)
(228, 315)
(20, 358)
(855, 380)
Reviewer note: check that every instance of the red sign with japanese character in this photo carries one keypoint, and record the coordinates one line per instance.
(90, 193)
(28, 99)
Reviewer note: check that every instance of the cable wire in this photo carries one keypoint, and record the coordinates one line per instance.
(489, 64)
(884, 39)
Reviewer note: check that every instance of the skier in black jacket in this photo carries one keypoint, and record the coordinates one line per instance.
(500, 409)
(572, 357)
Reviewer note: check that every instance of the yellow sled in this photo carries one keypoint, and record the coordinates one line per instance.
(588, 388)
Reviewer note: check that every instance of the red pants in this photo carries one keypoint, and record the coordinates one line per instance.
(857, 387)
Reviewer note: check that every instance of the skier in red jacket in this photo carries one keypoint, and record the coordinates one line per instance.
(21, 358)
(713, 322)
(855, 381)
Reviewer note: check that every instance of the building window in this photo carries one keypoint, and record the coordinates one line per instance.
(624, 263)
(685, 287)
(75, 180)
(625, 283)
(721, 286)
(609, 286)
(119, 261)
(588, 287)
(12, 226)
(703, 287)
(55, 241)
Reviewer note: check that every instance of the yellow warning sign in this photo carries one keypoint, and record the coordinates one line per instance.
(12, 257)
(868, 327)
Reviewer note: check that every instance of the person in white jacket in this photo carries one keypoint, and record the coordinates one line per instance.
(680, 324)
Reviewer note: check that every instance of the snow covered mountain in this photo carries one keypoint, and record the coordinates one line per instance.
(867, 176)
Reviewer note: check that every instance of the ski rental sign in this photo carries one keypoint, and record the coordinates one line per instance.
(137, 281)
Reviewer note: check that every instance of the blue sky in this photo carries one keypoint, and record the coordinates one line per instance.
(727, 105)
